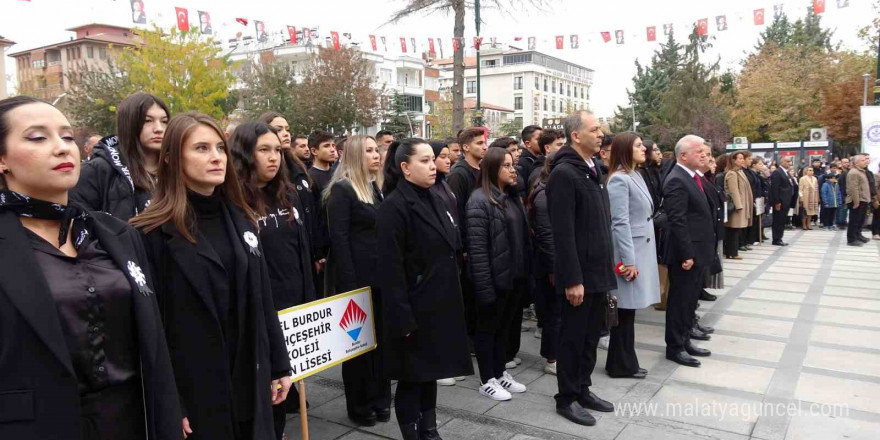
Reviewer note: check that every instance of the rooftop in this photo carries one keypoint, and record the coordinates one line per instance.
(100, 37)
(471, 103)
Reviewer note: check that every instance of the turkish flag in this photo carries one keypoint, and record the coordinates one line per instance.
(759, 17)
(517, 38)
(560, 41)
(606, 36)
(403, 44)
(334, 36)
(242, 21)
(182, 19)
(818, 6)
(373, 42)
(291, 30)
(431, 45)
(652, 33)
(703, 26)
(455, 44)
(477, 42)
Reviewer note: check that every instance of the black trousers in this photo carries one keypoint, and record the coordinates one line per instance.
(622, 360)
(827, 216)
(493, 329)
(731, 241)
(470, 301)
(116, 412)
(514, 325)
(366, 389)
(754, 231)
(578, 339)
(280, 411)
(856, 220)
(779, 218)
(414, 398)
(681, 304)
(551, 304)
(875, 224)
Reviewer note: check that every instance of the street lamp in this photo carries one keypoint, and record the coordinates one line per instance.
(867, 76)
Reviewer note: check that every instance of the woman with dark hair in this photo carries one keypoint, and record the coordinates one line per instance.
(498, 254)
(635, 255)
(121, 175)
(256, 153)
(715, 280)
(83, 348)
(739, 192)
(229, 355)
(652, 175)
(352, 201)
(425, 333)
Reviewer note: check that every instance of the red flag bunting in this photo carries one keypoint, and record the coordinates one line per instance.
(652, 33)
(403, 44)
(431, 45)
(291, 30)
(455, 44)
(703, 26)
(242, 21)
(373, 42)
(307, 34)
(182, 19)
(477, 42)
(818, 6)
(759, 17)
(334, 36)
(606, 36)
(560, 41)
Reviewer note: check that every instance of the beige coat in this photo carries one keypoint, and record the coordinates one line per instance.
(857, 188)
(808, 187)
(739, 192)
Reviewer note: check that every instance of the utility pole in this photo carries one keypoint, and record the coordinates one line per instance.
(478, 113)
(877, 81)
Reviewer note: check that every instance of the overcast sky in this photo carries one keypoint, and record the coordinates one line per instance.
(40, 22)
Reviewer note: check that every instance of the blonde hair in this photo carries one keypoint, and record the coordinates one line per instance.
(353, 170)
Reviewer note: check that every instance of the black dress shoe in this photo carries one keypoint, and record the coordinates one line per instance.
(683, 358)
(693, 350)
(698, 335)
(428, 426)
(779, 243)
(363, 420)
(706, 329)
(576, 413)
(641, 374)
(706, 296)
(864, 239)
(856, 243)
(594, 403)
(383, 415)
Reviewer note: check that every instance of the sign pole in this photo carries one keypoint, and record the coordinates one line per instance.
(303, 411)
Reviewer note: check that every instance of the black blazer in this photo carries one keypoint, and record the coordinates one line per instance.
(418, 245)
(717, 197)
(104, 186)
(691, 220)
(206, 380)
(781, 189)
(353, 238)
(39, 394)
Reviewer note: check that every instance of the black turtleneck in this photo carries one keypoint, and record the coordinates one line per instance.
(424, 195)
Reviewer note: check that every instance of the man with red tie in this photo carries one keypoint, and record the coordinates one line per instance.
(691, 247)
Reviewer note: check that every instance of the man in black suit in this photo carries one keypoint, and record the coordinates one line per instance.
(781, 192)
(691, 247)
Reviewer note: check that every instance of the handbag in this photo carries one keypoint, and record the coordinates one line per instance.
(611, 310)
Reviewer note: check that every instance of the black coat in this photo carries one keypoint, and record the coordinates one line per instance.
(421, 291)
(443, 191)
(207, 379)
(691, 220)
(353, 237)
(781, 190)
(39, 393)
(717, 197)
(754, 182)
(539, 220)
(309, 198)
(462, 181)
(104, 186)
(490, 243)
(580, 214)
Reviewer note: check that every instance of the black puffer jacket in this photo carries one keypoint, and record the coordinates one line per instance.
(490, 244)
(105, 184)
(539, 219)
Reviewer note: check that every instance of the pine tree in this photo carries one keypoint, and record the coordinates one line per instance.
(395, 119)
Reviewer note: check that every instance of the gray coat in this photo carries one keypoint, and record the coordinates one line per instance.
(632, 230)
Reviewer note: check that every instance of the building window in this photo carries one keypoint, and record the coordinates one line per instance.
(568, 89)
(517, 59)
(472, 87)
(582, 93)
(517, 83)
(545, 84)
(537, 83)
(517, 103)
(412, 103)
(490, 63)
(90, 52)
(553, 105)
(545, 103)
(102, 53)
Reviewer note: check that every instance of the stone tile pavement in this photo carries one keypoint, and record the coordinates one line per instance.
(796, 355)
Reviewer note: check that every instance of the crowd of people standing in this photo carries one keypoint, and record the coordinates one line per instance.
(140, 287)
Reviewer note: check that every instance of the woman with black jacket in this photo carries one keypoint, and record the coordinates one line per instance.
(83, 349)
(257, 155)
(121, 175)
(652, 175)
(498, 253)
(229, 355)
(425, 333)
(352, 201)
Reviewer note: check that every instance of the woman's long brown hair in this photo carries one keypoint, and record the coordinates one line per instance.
(170, 203)
(622, 153)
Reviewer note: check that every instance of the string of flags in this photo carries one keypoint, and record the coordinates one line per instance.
(305, 35)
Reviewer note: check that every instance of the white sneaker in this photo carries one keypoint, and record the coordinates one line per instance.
(539, 332)
(604, 341)
(446, 382)
(517, 360)
(550, 368)
(460, 378)
(494, 391)
(510, 384)
(510, 365)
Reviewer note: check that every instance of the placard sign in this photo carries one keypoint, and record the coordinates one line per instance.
(327, 332)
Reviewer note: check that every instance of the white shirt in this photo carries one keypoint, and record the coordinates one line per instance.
(689, 171)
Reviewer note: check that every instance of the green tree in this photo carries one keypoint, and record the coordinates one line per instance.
(92, 98)
(395, 119)
(512, 128)
(271, 86)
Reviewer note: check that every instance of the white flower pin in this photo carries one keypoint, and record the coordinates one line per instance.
(295, 214)
(139, 278)
(251, 240)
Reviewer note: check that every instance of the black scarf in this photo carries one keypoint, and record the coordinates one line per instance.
(25, 206)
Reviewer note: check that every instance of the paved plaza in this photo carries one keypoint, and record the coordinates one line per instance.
(795, 355)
